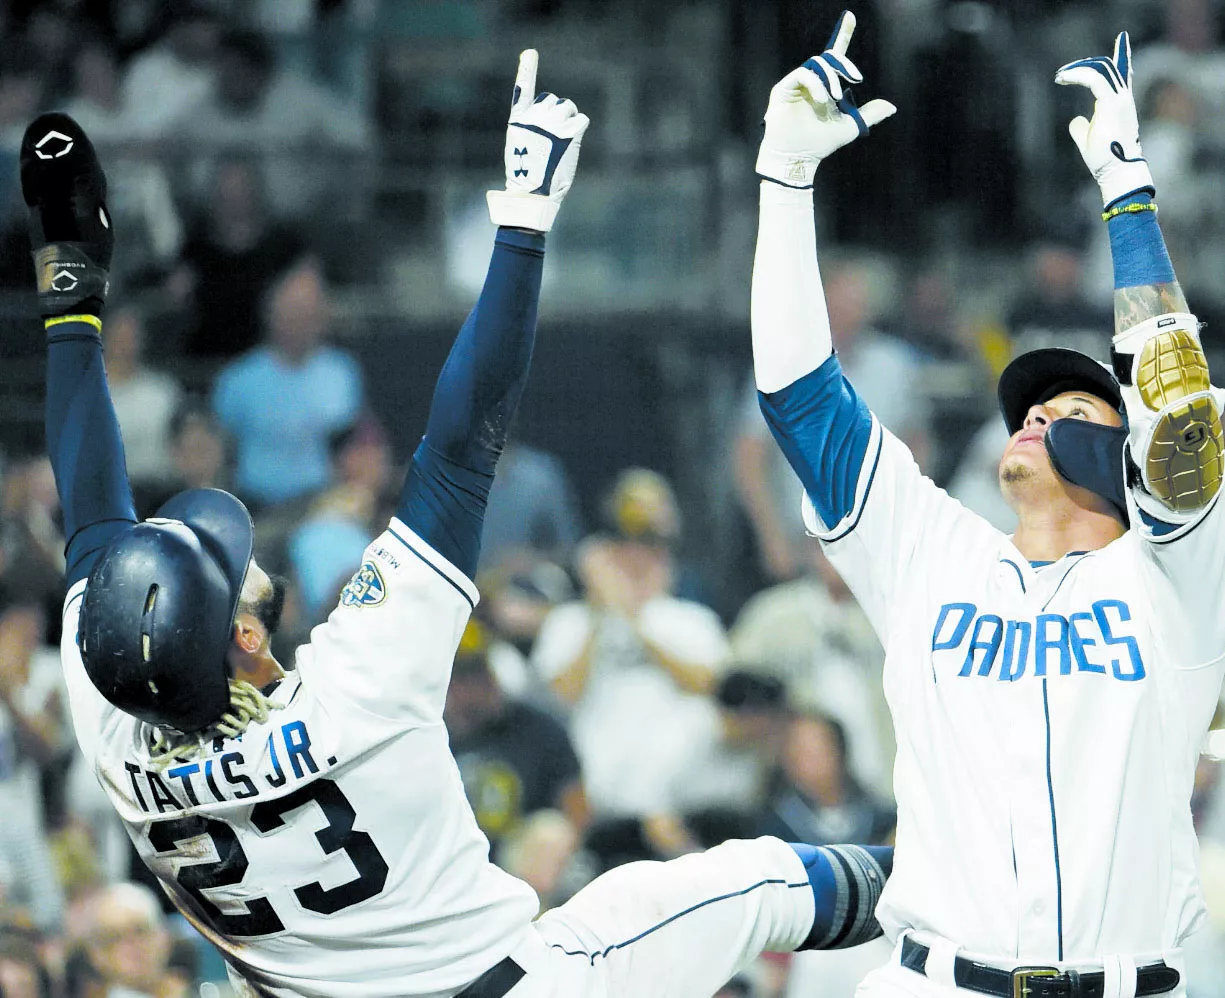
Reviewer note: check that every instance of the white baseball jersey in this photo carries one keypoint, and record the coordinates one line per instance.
(329, 851)
(1048, 718)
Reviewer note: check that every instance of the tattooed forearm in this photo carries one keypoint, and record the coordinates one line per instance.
(1133, 305)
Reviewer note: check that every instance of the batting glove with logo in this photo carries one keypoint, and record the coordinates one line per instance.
(542, 144)
(70, 228)
(811, 114)
(1109, 143)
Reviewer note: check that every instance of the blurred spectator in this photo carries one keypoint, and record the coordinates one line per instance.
(813, 635)
(876, 364)
(22, 87)
(543, 851)
(197, 449)
(327, 544)
(176, 72)
(731, 762)
(532, 509)
(298, 128)
(233, 253)
(145, 400)
(34, 735)
(21, 972)
(31, 547)
(634, 662)
(130, 947)
(514, 758)
(816, 799)
(1190, 54)
(138, 190)
(737, 987)
(282, 401)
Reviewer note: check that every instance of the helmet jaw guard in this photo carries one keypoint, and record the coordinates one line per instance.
(158, 612)
(1091, 455)
(1086, 454)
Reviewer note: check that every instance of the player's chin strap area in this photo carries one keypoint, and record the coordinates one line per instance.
(247, 704)
(1177, 444)
(1092, 456)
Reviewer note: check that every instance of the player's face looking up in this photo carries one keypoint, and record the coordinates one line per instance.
(1026, 470)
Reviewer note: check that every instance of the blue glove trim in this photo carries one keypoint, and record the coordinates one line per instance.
(847, 106)
(555, 154)
(1137, 247)
(838, 64)
(817, 68)
(1101, 65)
(837, 28)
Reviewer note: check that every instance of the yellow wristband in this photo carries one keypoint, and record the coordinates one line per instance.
(1128, 209)
(93, 320)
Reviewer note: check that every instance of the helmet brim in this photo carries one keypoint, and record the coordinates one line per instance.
(224, 527)
(1039, 375)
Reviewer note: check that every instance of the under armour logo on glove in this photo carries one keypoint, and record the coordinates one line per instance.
(542, 144)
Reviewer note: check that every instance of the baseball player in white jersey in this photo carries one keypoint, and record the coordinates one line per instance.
(1051, 689)
(312, 823)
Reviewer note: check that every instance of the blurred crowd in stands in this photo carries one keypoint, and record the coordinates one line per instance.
(661, 658)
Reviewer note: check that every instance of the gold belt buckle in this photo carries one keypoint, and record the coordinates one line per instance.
(1022, 975)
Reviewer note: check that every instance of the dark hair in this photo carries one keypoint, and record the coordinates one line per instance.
(742, 690)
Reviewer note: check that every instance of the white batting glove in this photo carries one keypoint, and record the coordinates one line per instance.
(811, 115)
(542, 143)
(1110, 142)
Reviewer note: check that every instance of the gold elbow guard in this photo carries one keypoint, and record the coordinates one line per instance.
(1186, 454)
(1179, 422)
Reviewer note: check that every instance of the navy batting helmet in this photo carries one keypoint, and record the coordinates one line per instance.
(159, 610)
(1086, 454)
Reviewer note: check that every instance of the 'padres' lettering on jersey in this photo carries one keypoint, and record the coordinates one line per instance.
(1099, 640)
(1048, 719)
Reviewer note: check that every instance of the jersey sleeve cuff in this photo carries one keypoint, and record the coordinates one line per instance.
(867, 473)
(419, 548)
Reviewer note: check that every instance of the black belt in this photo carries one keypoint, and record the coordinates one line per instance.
(1037, 982)
(495, 982)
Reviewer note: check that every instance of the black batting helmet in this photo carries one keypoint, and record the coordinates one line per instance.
(159, 608)
(1086, 454)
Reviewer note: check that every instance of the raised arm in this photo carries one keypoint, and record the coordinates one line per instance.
(1175, 447)
(818, 421)
(448, 482)
(65, 190)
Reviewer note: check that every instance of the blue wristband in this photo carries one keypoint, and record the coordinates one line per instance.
(1137, 246)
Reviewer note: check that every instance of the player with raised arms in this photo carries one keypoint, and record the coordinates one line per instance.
(312, 823)
(1051, 689)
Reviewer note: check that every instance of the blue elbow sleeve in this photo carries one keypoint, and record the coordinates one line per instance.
(823, 428)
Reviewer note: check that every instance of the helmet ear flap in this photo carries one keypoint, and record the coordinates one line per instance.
(1092, 456)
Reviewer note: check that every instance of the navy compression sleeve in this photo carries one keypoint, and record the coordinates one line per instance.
(823, 429)
(84, 444)
(474, 401)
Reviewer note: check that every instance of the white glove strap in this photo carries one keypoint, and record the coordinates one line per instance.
(521, 210)
(1123, 180)
(790, 169)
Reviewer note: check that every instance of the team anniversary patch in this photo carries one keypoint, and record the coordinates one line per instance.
(366, 588)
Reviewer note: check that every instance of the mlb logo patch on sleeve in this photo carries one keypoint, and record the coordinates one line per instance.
(366, 588)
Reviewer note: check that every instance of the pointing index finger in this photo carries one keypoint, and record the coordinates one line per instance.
(843, 30)
(525, 78)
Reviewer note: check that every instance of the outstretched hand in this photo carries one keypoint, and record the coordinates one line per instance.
(812, 114)
(1109, 143)
(543, 136)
